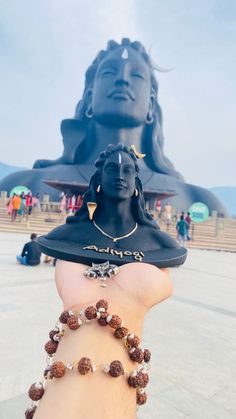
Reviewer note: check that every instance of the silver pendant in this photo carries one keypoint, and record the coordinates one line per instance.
(102, 271)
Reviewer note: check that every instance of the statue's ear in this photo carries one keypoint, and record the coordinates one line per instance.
(151, 108)
(152, 103)
(98, 182)
(89, 109)
(89, 96)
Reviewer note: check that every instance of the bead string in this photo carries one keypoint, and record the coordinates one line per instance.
(85, 365)
(137, 379)
(99, 313)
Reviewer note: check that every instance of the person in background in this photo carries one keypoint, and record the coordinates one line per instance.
(16, 203)
(158, 209)
(63, 203)
(181, 228)
(78, 203)
(71, 204)
(21, 211)
(29, 200)
(30, 254)
(9, 206)
(188, 221)
(36, 203)
(168, 215)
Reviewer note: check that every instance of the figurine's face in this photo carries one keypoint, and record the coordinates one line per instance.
(118, 176)
(121, 94)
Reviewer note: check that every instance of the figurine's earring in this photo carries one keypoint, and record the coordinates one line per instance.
(91, 209)
(98, 189)
(89, 112)
(149, 118)
(136, 192)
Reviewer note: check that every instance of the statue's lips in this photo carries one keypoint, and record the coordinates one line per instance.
(120, 186)
(120, 94)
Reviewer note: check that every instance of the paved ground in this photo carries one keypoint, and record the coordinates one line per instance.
(192, 336)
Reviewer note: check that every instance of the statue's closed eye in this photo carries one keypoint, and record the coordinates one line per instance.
(138, 75)
(107, 72)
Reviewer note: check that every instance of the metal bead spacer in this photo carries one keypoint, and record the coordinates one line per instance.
(106, 368)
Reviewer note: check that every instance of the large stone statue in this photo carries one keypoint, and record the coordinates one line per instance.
(119, 104)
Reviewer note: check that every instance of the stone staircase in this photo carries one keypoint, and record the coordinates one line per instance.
(40, 223)
(214, 234)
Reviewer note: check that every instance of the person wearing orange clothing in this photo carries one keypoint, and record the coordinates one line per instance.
(16, 203)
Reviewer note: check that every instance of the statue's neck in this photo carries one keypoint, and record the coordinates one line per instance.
(103, 136)
(115, 216)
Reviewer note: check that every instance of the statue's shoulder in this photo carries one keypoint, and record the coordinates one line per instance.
(71, 126)
(75, 229)
(153, 239)
(164, 239)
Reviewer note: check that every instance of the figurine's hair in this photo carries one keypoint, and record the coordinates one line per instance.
(111, 148)
(140, 214)
(153, 139)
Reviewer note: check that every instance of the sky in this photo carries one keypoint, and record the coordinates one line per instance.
(47, 45)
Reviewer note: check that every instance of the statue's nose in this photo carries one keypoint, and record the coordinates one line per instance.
(122, 82)
(120, 175)
(122, 76)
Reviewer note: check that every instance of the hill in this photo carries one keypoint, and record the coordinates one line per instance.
(6, 169)
(227, 195)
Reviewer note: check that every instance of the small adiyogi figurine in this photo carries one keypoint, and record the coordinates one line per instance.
(112, 262)
(113, 224)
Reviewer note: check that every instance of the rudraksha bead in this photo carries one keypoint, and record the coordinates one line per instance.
(36, 391)
(133, 380)
(51, 347)
(141, 397)
(84, 365)
(143, 378)
(52, 333)
(57, 369)
(102, 304)
(121, 332)
(30, 412)
(136, 354)
(147, 355)
(133, 340)
(65, 315)
(116, 369)
(73, 323)
(102, 320)
(138, 379)
(114, 321)
(90, 313)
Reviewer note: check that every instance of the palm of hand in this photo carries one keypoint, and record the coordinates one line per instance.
(138, 286)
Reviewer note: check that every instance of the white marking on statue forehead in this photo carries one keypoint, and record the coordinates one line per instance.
(125, 54)
(119, 158)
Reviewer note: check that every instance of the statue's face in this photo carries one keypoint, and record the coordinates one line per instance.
(118, 176)
(121, 93)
